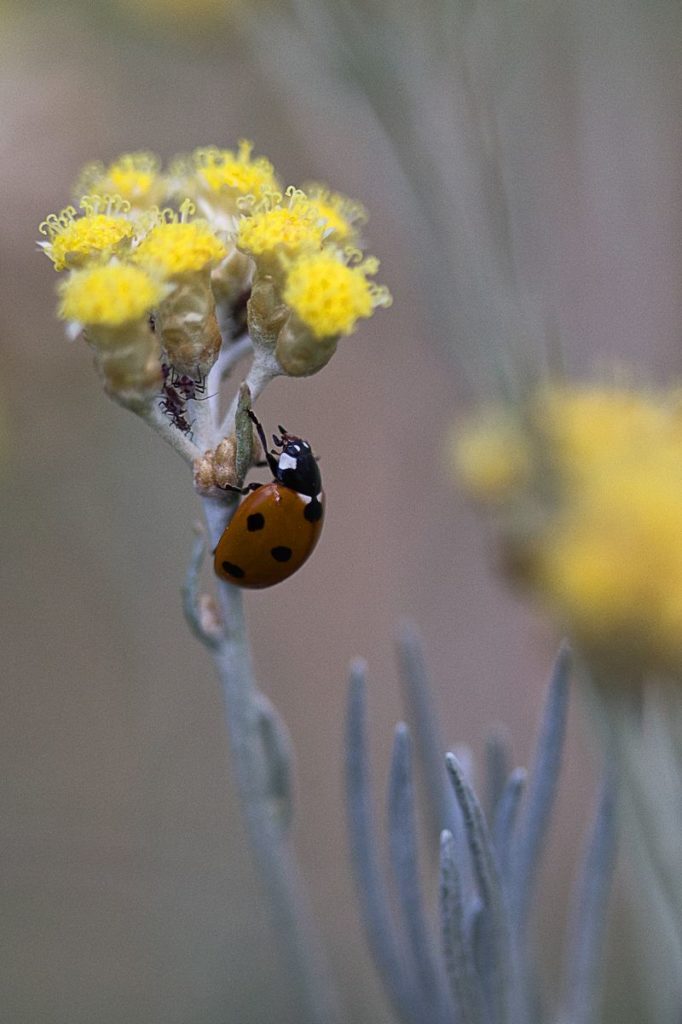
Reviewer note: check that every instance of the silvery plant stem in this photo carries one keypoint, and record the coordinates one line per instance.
(260, 751)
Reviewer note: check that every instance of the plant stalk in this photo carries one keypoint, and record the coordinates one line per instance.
(260, 755)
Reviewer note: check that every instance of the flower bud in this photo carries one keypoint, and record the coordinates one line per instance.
(111, 304)
(183, 252)
(300, 353)
(130, 365)
(266, 314)
(187, 327)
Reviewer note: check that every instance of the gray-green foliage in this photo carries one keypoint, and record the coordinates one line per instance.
(476, 966)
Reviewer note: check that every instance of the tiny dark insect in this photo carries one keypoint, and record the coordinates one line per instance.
(188, 387)
(177, 390)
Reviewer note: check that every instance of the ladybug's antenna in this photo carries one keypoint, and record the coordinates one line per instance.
(281, 441)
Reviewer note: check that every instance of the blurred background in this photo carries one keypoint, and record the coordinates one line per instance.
(129, 893)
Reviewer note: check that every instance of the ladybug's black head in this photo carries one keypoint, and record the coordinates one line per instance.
(297, 467)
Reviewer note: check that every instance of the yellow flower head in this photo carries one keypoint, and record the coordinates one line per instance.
(328, 296)
(114, 295)
(594, 517)
(342, 216)
(134, 176)
(74, 240)
(224, 176)
(281, 226)
(176, 246)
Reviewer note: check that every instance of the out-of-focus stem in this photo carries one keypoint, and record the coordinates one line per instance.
(231, 354)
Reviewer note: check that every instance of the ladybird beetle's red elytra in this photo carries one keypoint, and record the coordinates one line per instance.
(277, 525)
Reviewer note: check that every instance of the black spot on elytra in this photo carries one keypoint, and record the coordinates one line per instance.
(281, 553)
(234, 570)
(313, 511)
(255, 521)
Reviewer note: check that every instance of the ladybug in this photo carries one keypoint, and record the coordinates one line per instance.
(277, 525)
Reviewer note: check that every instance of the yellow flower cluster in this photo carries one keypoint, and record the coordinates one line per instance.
(587, 485)
(295, 253)
(306, 243)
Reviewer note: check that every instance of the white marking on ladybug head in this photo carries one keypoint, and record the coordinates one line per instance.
(287, 461)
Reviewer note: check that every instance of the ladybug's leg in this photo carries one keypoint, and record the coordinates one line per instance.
(241, 490)
(271, 460)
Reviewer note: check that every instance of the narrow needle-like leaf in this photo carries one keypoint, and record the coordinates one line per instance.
(440, 803)
(403, 850)
(532, 830)
(505, 820)
(459, 963)
(374, 901)
(584, 966)
(495, 967)
(497, 768)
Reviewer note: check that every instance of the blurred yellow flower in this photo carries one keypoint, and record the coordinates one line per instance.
(223, 182)
(342, 216)
(587, 482)
(195, 16)
(491, 456)
(136, 177)
(219, 179)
